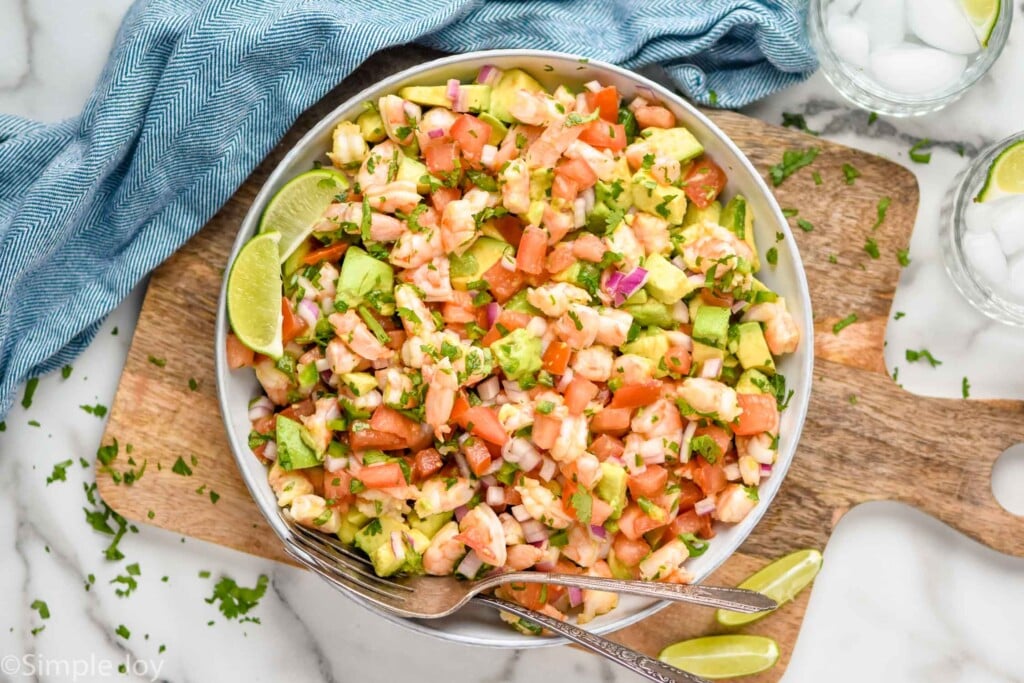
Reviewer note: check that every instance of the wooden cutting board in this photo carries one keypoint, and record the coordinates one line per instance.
(886, 444)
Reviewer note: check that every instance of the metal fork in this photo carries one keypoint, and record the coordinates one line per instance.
(430, 597)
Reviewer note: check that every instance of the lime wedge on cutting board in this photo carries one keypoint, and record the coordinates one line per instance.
(254, 295)
(1005, 175)
(297, 207)
(983, 15)
(722, 656)
(781, 580)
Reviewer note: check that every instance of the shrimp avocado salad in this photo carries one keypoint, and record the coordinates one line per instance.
(517, 329)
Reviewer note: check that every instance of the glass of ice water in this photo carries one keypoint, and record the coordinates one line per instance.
(907, 57)
(983, 242)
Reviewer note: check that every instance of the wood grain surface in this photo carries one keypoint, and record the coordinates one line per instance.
(934, 454)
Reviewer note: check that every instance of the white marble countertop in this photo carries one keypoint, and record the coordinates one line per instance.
(901, 597)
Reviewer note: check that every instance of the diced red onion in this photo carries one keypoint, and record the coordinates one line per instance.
(460, 460)
(328, 378)
(548, 469)
(515, 449)
(309, 312)
(680, 312)
(261, 407)
(679, 262)
(270, 451)
(461, 512)
(629, 285)
(335, 463)
(322, 365)
(705, 506)
(589, 199)
(732, 471)
(495, 466)
(635, 467)
(575, 596)
(738, 306)
(461, 101)
(529, 462)
(493, 311)
(539, 544)
(489, 75)
(508, 261)
(766, 470)
(563, 383)
(581, 105)
(655, 458)
(513, 392)
(534, 531)
(696, 279)
(592, 86)
(611, 283)
(470, 565)
(638, 101)
(680, 338)
(688, 433)
(327, 305)
(488, 154)
(545, 566)
(579, 212)
(711, 368)
(616, 460)
(489, 388)
(495, 496)
(487, 481)
(520, 513)
(435, 133)
(398, 546)
(598, 531)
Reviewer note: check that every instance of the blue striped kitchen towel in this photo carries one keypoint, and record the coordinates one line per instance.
(197, 92)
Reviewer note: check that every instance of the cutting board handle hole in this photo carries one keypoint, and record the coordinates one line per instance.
(1008, 479)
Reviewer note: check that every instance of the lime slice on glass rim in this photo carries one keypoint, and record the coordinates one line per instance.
(297, 207)
(723, 656)
(1005, 175)
(781, 581)
(254, 295)
(983, 15)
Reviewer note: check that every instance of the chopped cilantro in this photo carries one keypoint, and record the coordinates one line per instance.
(237, 600)
(123, 631)
(883, 208)
(30, 391)
(797, 121)
(193, 384)
(920, 157)
(845, 322)
(899, 314)
(582, 503)
(965, 388)
(41, 607)
(850, 173)
(60, 472)
(789, 213)
(871, 247)
(923, 354)
(903, 256)
(804, 224)
(772, 256)
(65, 371)
(181, 467)
(159, 362)
(816, 177)
(792, 161)
(98, 410)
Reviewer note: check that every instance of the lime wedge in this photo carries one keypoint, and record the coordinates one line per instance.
(723, 656)
(1005, 175)
(254, 295)
(983, 15)
(297, 206)
(781, 580)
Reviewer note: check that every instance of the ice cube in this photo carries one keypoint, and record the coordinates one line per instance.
(840, 7)
(885, 19)
(986, 257)
(1007, 221)
(849, 38)
(1014, 285)
(942, 24)
(915, 70)
(978, 217)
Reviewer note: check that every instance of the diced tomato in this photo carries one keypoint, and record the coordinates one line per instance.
(634, 395)
(564, 188)
(704, 182)
(315, 475)
(678, 360)
(560, 258)
(423, 439)
(460, 309)
(606, 446)
(477, 456)
(483, 422)
(261, 451)
(634, 522)
(511, 229)
(297, 410)
(397, 338)
(600, 511)
(630, 551)
(723, 439)
(710, 478)
(578, 171)
(440, 157)
(605, 135)
(706, 531)
(371, 438)
(689, 494)
(442, 196)
(685, 523)
(605, 101)
(650, 483)
(532, 248)
(471, 133)
(239, 355)
(610, 421)
(459, 409)
(291, 324)
(713, 298)
(588, 247)
(265, 425)
(530, 595)
(760, 414)
(556, 358)
(502, 282)
(383, 475)
(391, 421)
(578, 394)
(331, 253)
(337, 487)
(509, 320)
(654, 116)
(545, 431)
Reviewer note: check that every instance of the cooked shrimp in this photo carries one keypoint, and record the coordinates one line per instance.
(602, 161)
(715, 246)
(398, 195)
(515, 416)
(444, 552)
(342, 359)
(578, 326)
(542, 504)
(438, 495)
(316, 424)
(553, 141)
(582, 548)
(523, 556)
(750, 470)
(348, 146)
(400, 118)
(555, 298)
(458, 227)
(414, 349)
(481, 530)
(416, 317)
(274, 382)
(513, 529)
(663, 562)
(588, 247)
(558, 223)
(652, 233)
(653, 116)
(596, 603)
(414, 249)
(760, 447)
(473, 364)
(594, 363)
(436, 119)
(661, 418)
(288, 485)
(780, 331)
(710, 397)
(639, 448)
(734, 504)
(572, 439)
(354, 332)
(310, 510)
(377, 165)
(623, 241)
(441, 387)
(588, 470)
(666, 170)
(397, 389)
(434, 280)
(636, 152)
(536, 109)
(515, 187)
(613, 326)
(633, 369)
(382, 228)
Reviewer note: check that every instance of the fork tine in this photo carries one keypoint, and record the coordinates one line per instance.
(356, 576)
(343, 582)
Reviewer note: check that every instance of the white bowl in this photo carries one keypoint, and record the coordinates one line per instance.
(477, 625)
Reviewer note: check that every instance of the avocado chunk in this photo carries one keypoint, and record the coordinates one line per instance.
(711, 326)
(429, 525)
(359, 382)
(712, 213)
(636, 298)
(292, 451)
(377, 532)
(613, 194)
(665, 282)
(651, 313)
(477, 96)
(413, 170)
(752, 382)
(476, 261)
(651, 344)
(498, 129)
(618, 569)
(597, 219)
(416, 543)
(678, 143)
(519, 303)
(535, 213)
(666, 201)
(703, 352)
(371, 126)
(503, 94)
(738, 218)
(752, 349)
(518, 353)
(611, 487)
(362, 274)
(541, 180)
(350, 525)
